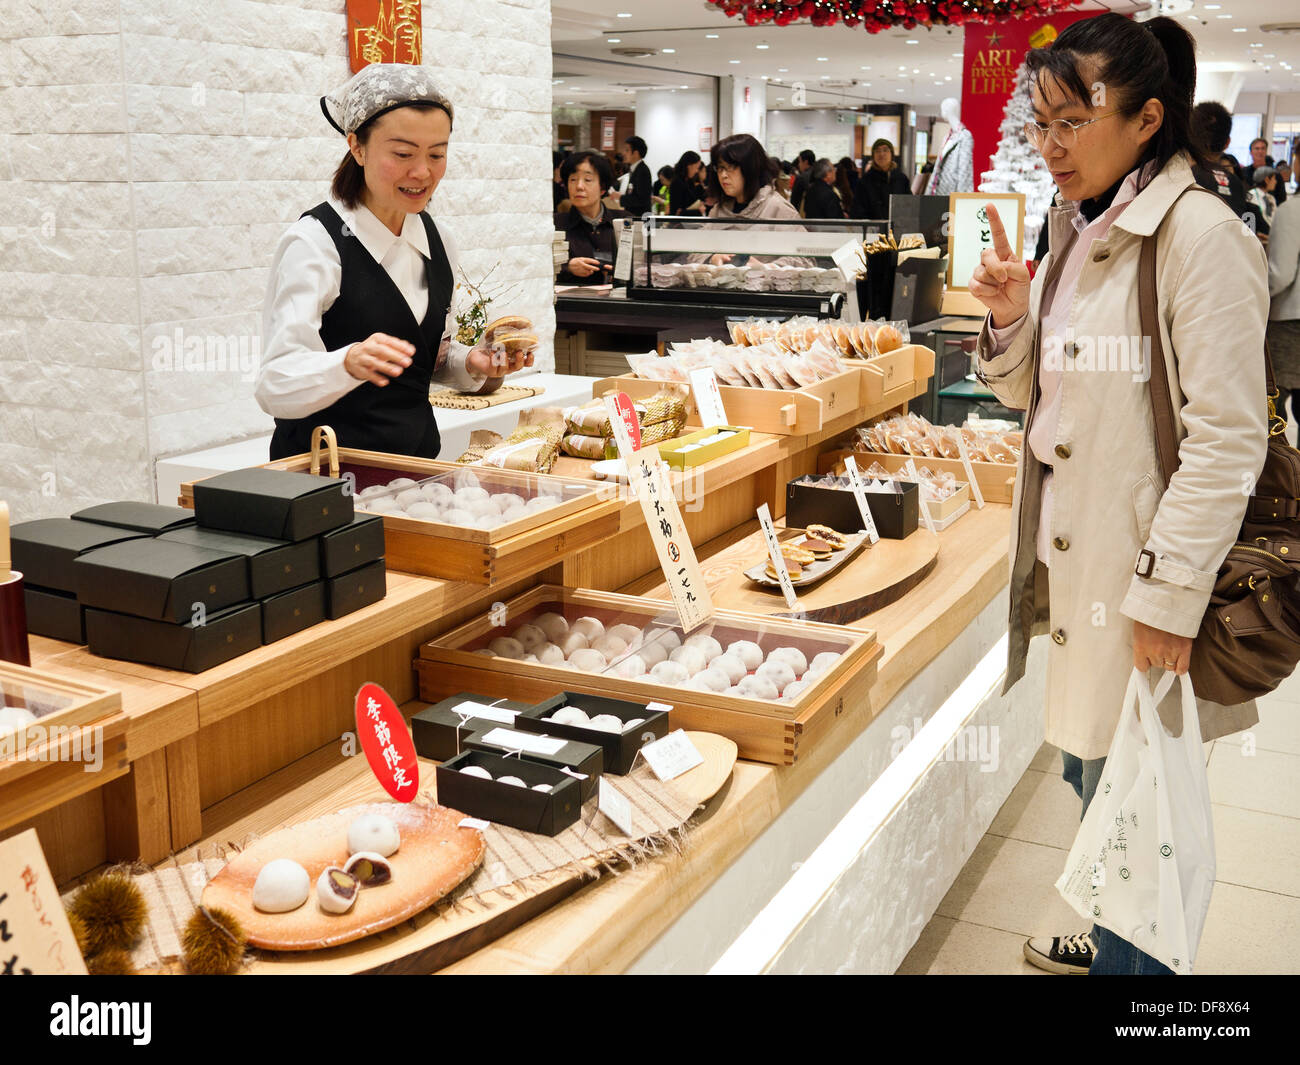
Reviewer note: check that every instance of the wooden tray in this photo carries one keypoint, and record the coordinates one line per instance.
(814, 572)
(444, 934)
(997, 481)
(435, 856)
(764, 731)
(785, 412)
(477, 556)
(882, 374)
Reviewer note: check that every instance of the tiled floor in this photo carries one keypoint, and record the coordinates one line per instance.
(1005, 893)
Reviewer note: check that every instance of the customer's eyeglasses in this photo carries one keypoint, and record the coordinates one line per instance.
(1061, 130)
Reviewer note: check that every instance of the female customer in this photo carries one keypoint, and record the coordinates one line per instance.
(743, 178)
(882, 178)
(588, 224)
(357, 318)
(686, 192)
(1117, 572)
(823, 200)
(1284, 310)
(1264, 179)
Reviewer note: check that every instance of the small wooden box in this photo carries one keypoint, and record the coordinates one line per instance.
(891, 372)
(765, 731)
(781, 412)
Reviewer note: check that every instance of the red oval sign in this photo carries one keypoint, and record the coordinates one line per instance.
(387, 743)
(627, 411)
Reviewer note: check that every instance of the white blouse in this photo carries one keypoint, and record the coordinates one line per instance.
(298, 376)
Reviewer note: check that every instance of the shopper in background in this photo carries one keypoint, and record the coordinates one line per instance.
(821, 200)
(1258, 157)
(1117, 572)
(588, 224)
(662, 188)
(1264, 181)
(559, 191)
(636, 200)
(802, 178)
(881, 179)
(684, 197)
(1284, 308)
(743, 178)
(847, 176)
(1213, 124)
(1284, 180)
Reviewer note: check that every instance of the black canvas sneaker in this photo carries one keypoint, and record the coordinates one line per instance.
(1065, 955)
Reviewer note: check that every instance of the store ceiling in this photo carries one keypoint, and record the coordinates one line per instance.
(849, 67)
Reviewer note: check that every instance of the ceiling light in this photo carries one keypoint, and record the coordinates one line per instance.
(957, 55)
(613, 40)
(1223, 16)
(825, 77)
(1238, 29)
(625, 14)
(821, 59)
(683, 86)
(766, 78)
(902, 68)
(762, 47)
(1213, 7)
(912, 41)
(733, 60)
(568, 103)
(866, 68)
(916, 70)
(948, 77)
(668, 51)
(713, 36)
(783, 70)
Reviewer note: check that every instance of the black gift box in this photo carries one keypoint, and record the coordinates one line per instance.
(191, 648)
(151, 518)
(273, 565)
(57, 615)
(292, 611)
(272, 503)
(545, 812)
(352, 546)
(620, 747)
(585, 758)
(918, 291)
(44, 550)
(160, 579)
(355, 589)
(895, 513)
(438, 730)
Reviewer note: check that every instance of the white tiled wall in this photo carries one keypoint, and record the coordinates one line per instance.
(153, 151)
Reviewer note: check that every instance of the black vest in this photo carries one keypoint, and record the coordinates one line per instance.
(397, 417)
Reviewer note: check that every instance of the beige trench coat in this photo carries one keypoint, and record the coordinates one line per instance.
(1211, 277)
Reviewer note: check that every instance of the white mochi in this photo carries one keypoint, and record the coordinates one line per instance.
(281, 885)
(629, 634)
(531, 636)
(372, 491)
(587, 660)
(375, 833)
(506, 647)
(778, 671)
(550, 655)
(707, 644)
(607, 723)
(821, 663)
(477, 771)
(554, 625)
(795, 688)
(713, 680)
(437, 493)
(504, 501)
(592, 628)
(423, 511)
(571, 643)
(671, 673)
(665, 638)
(14, 718)
(457, 516)
(570, 715)
(398, 483)
(486, 521)
(757, 687)
(411, 495)
(652, 654)
(466, 479)
(631, 667)
(610, 646)
(691, 658)
(748, 652)
(470, 495)
(633, 723)
(731, 665)
(381, 505)
(529, 658)
(798, 661)
(541, 787)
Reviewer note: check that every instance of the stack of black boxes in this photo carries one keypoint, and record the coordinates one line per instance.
(264, 554)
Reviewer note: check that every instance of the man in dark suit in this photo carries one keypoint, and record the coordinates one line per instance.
(803, 178)
(636, 200)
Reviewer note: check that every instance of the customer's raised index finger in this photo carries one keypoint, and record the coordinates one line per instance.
(1001, 246)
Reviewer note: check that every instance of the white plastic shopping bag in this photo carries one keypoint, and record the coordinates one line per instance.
(1142, 864)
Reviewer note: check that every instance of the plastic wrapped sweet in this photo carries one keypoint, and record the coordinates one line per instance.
(588, 660)
(910, 434)
(707, 644)
(748, 652)
(670, 673)
(556, 626)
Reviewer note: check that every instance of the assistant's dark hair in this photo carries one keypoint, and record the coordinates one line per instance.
(1135, 62)
(637, 145)
(1212, 122)
(604, 172)
(666, 174)
(350, 177)
(744, 153)
(807, 156)
(687, 158)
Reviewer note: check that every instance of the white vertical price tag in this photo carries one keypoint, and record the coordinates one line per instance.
(970, 471)
(848, 257)
(672, 756)
(778, 559)
(860, 494)
(615, 806)
(910, 467)
(623, 259)
(708, 400)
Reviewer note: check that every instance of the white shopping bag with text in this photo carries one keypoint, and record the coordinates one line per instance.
(1142, 864)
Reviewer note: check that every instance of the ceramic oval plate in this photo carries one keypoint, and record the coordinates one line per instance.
(435, 856)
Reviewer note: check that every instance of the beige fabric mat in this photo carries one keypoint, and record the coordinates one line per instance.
(453, 400)
(659, 815)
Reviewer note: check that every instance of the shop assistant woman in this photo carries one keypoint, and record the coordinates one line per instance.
(1089, 506)
(357, 320)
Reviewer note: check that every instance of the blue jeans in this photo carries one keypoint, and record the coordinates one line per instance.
(1114, 956)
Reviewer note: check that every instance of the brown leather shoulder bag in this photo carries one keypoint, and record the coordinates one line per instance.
(1249, 640)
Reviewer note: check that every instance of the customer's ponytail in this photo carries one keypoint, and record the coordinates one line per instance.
(1135, 62)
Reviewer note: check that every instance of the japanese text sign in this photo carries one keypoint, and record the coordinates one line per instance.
(387, 743)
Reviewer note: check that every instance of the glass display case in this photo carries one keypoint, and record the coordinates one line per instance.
(734, 261)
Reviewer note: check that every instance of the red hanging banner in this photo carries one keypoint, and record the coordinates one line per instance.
(383, 31)
(990, 58)
(387, 743)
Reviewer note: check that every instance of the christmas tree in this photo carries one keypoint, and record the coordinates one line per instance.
(1017, 166)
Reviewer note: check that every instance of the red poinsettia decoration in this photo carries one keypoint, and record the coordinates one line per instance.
(877, 15)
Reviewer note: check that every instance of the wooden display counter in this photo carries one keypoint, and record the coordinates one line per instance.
(245, 747)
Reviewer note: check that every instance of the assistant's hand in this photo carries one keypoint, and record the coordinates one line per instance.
(1001, 281)
(720, 259)
(1157, 649)
(495, 362)
(378, 357)
(582, 266)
